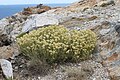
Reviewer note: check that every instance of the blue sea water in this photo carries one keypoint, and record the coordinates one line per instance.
(8, 10)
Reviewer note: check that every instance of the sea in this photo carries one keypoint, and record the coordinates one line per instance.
(9, 10)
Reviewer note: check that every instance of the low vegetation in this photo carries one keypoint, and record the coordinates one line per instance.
(55, 44)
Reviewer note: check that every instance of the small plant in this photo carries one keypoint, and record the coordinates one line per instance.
(20, 35)
(9, 78)
(55, 44)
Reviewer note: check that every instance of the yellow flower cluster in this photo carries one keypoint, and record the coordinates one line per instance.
(58, 44)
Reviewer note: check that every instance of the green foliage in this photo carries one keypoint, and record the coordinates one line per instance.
(57, 44)
(9, 78)
(20, 35)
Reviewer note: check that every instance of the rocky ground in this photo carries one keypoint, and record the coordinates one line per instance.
(102, 17)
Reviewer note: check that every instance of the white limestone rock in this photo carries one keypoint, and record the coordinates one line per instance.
(39, 20)
(3, 22)
(7, 69)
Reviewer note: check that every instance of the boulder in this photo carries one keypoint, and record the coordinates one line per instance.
(7, 69)
(36, 21)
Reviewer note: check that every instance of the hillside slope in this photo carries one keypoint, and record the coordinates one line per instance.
(100, 16)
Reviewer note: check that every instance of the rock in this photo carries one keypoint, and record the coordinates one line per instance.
(7, 69)
(117, 27)
(82, 3)
(118, 42)
(79, 16)
(104, 31)
(106, 3)
(4, 31)
(39, 6)
(112, 63)
(10, 24)
(92, 18)
(27, 11)
(3, 23)
(35, 10)
(113, 57)
(43, 9)
(4, 38)
(85, 8)
(37, 21)
(7, 52)
(92, 3)
(114, 72)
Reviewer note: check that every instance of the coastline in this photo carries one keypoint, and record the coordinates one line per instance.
(9, 10)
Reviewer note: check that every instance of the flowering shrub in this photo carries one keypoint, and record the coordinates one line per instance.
(58, 44)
